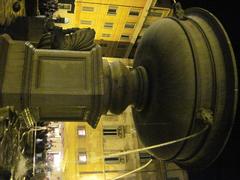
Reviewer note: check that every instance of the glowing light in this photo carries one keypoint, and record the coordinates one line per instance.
(57, 132)
(81, 131)
(57, 161)
(82, 157)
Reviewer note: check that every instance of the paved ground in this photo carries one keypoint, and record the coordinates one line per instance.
(7, 15)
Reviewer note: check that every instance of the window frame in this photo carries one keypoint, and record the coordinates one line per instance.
(81, 128)
(108, 25)
(130, 24)
(81, 154)
(125, 37)
(84, 22)
(115, 160)
(134, 12)
(113, 131)
(88, 9)
(112, 10)
(106, 35)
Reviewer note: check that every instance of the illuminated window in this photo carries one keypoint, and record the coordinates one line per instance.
(124, 37)
(81, 130)
(134, 12)
(64, 6)
(82, 157)
(87, 22)
(112, 10)
(87, 9)
(108, 25)
(129, 25)
(106, 35)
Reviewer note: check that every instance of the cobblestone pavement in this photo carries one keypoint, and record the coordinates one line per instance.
(7, 15)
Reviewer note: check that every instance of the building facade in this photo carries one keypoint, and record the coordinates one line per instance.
(85, 148)
(117, 23)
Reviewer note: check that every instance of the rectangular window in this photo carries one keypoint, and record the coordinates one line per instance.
(115, 160)
(144, 157)
(106, 35)
(86, 22)
(64, 6)
(114, 131)
(81, 130)
(82, 157)
(110, 132)
(87, 9)
(124, 37)
(156, 13)
(129, 25)
(134, 12)
(108, 25)
(112, 10)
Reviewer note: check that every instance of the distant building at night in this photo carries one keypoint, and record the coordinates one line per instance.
(118, 24)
